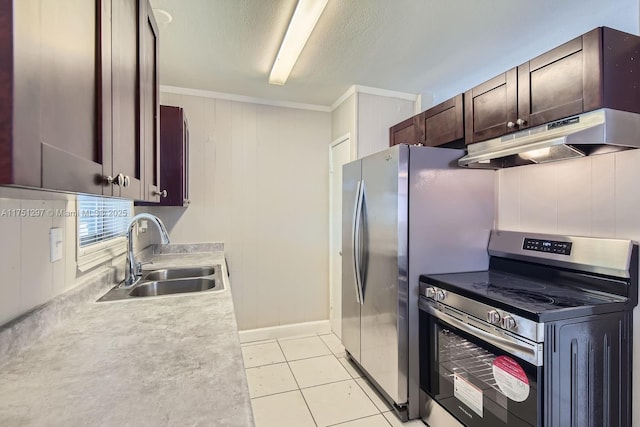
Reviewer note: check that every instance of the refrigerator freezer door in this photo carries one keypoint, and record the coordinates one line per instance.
(351, 178)
(384, 306)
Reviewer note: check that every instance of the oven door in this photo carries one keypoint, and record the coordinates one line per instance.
(477, 377)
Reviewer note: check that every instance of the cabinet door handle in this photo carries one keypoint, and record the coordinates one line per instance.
(511, 125)
(162, 193)
(126, 181)
(520, 122)
(119, 180)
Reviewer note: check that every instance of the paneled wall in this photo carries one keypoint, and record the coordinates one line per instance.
(376, 114)
(367, 117)
(594, 196)
(259, 183)
(27, 277)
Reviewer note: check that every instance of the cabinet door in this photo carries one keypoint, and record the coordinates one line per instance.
(490, 109)
(405, 132)
(126, 111)
(562, 82)
(149, 88)
(443, 123)
(57, 140)
(174, 157)
(185, 161)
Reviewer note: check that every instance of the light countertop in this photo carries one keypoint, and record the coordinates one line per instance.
(162, 361)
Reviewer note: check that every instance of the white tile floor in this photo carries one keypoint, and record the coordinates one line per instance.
(307, 381)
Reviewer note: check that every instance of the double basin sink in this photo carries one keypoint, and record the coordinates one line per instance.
(169, 281)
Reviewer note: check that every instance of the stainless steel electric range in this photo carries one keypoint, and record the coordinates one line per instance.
(542, 338)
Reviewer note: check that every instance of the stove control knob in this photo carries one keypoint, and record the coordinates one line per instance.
(493, 317)
(508, 322)
(429, 292)
(440, 295)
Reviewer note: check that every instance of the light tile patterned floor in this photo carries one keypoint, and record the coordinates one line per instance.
(307, 381)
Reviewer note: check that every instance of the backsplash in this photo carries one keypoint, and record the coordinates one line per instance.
(592, 196)
(29, 278)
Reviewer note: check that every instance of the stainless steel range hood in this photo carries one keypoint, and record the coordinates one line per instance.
(596, 132)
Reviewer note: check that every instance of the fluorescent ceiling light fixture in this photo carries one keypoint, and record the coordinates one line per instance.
(302, 23)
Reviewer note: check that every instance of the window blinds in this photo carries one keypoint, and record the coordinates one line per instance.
(101, 219)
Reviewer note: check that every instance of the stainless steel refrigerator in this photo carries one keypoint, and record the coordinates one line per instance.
(407, 211)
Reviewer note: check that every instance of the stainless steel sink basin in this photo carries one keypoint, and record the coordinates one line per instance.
(169, 281)
(177, 286)
(178, 273)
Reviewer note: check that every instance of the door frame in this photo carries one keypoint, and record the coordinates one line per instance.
(333, 287)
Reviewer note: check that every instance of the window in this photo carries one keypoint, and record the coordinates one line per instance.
(102, 225)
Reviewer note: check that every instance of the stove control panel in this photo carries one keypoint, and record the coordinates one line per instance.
(549, 246)
(452, 303)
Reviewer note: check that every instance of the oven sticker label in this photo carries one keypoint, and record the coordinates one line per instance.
(511, 378)
(467, 393)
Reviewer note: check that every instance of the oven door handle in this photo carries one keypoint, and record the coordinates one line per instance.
(528, 352)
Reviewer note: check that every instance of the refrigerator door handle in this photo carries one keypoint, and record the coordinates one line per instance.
(363, 252)
(355, 236)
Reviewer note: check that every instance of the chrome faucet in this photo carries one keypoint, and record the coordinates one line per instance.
(134, 270)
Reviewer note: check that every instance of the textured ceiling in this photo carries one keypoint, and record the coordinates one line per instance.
(434, 47)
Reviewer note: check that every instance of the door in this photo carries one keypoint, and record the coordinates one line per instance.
(53, 68)
(150, 105)
(125, 67)
(491, 108)
(443, 123)
(340, 154)
(384, 326)
(351, 177)
(560, 83)
(406, 132)
(480, 384)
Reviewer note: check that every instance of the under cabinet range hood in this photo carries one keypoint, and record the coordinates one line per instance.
(596, 132)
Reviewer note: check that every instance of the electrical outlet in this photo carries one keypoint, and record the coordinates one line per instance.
(55, 244)
(141, 227)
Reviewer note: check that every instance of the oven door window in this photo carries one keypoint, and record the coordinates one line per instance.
(478, 383)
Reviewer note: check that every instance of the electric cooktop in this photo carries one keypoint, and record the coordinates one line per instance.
(536, 299)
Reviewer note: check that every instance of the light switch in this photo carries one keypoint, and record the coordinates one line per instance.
(55, 244)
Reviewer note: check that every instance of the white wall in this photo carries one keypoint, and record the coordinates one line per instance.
(593, 196)
(367, 117)
(27, 277)
(376, 114)
(258, 177)
(343, 119)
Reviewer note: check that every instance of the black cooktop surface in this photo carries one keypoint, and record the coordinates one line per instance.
(532, 298)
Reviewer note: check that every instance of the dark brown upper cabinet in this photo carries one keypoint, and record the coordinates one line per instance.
(174, 164)
(443, 124)
(405, 132)
(126, 100)
(491, 107)
(70, 107)
(440, 125)
(150, 96)
(596, 70)
(53, 131)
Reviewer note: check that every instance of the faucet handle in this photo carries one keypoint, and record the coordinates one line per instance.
(139, 266)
